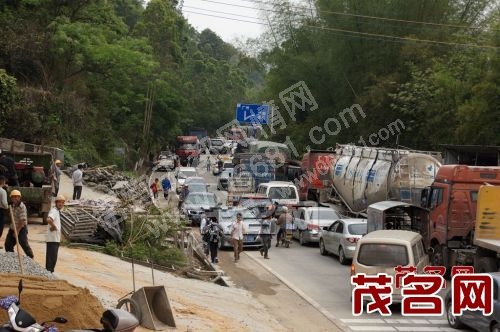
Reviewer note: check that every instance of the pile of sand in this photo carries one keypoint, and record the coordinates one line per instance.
(45, 299)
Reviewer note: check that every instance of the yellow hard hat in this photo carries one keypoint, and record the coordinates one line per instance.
(58, 161)
(15, 193)
(60, 198)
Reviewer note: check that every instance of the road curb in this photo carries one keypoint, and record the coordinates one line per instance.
(309, 300)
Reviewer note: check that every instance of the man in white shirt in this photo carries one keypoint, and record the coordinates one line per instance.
(77, 178)
(4, 205)
(54, 233)
(238, 231)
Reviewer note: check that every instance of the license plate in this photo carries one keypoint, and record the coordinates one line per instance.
(249, 238)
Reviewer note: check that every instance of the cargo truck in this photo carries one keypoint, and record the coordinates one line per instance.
(452, 202)
(33, 164)
(363, 175)
(187, 149)
(315, 180)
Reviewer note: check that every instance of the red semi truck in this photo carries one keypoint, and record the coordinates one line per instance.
(188, 150)
(315, 174)
(452, 203)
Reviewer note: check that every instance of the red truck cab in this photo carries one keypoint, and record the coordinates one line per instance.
(315, 169)
(452, 202)
(187, 149)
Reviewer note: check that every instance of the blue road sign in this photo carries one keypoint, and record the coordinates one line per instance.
(252, 113)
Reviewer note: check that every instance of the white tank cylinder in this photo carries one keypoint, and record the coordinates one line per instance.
(363, 175)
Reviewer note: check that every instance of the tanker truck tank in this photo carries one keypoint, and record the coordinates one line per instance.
(365, 175)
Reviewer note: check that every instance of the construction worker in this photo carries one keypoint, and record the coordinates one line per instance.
(56, 176)
(54, 234)
(20, 214)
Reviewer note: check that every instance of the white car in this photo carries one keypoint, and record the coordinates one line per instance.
(182, 174)
(309, 221)
(281, 192)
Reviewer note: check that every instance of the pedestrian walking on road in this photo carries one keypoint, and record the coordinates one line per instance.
(4, 205)
(208, 164)
(54, 234)
(77, 178)
(166, 186)
(155, 187)
(238, 231)
(20, 214)
(283, 219)
(213, 231)
(266, 235)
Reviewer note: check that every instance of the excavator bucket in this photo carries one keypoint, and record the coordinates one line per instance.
(156, 312)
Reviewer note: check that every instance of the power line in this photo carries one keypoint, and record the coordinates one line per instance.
(227, 18)
(369, 16)
(225, 13)
(358, 33)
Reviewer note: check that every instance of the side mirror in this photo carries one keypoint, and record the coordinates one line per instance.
(325, 228)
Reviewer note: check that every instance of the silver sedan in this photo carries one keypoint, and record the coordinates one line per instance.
(340, 238)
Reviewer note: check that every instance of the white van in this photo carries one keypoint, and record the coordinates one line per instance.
(284, 193)
(381, 251)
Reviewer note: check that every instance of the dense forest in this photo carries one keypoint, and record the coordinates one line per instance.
(432, 65)
(84, 74)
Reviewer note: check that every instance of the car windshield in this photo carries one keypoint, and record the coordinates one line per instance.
(186, 174)
(197, 187)
(323, 214)
(255, 201)
(195, 180)
(187, 146)
(231, 214)
(201, 199)
(357, 229)
(282, 193)
(217, 142)
(380, 254)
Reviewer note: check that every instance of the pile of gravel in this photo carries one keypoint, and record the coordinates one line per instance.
(9, 263)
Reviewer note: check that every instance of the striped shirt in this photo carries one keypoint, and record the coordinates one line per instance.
(20, 215)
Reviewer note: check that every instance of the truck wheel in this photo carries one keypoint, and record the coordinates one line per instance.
(437, 256)
(44, 216)
(487, 264)
(495, 328)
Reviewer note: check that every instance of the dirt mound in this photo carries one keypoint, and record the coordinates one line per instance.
(45, 299)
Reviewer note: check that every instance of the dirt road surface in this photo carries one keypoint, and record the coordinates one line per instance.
(257, 302)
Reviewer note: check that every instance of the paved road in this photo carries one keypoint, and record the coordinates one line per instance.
(323, 282)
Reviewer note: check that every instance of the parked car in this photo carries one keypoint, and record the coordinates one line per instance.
(182, 174)
(198, 203)
(226, 218)
(165, 163)
(340, 238)
(383, 250)
(223, 181)
(475, 318)
(195, 179)
(309, 221)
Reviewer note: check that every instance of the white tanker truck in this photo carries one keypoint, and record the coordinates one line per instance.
(365, 175)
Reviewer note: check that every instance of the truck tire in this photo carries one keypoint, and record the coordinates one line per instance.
(487, 264)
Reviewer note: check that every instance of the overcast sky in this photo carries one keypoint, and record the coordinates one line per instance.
(227, 29)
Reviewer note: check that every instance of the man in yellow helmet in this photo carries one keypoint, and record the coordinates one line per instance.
(54, 234)
(20, 214)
